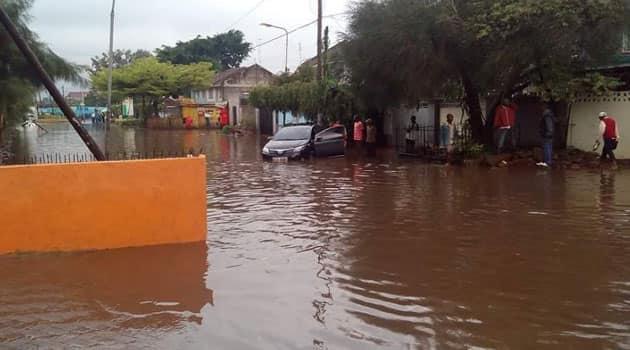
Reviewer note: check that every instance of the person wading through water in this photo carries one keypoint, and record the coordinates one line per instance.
(359, 131)
(370, 139)
(609, 132)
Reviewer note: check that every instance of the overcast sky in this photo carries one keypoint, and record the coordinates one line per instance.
(79, 30)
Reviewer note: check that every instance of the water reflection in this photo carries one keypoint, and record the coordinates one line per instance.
(138, 297)
(353, 253)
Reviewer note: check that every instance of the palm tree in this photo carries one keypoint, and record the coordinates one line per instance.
(18, 81)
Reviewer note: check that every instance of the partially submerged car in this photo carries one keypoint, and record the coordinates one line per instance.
(304, 141)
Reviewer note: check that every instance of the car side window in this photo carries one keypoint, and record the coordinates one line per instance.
(332, 133)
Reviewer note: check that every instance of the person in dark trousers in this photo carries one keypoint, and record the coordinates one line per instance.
(610, 134)
(547, 129)
(504, 123)
(411, 135)
(370, 138)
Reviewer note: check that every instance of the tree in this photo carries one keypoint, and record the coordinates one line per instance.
(225, 51)
(148, 78)
(121, 58)
(310, 98)
(403, 50)
(18, 81)
(95, 99)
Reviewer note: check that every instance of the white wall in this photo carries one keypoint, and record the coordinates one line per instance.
(397, 119)
(584, 122)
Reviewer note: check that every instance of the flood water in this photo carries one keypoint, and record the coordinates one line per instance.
(343, 253)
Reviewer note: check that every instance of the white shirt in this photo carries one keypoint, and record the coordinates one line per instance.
(412, 132)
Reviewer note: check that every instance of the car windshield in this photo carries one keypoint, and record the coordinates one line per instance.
(293, 134)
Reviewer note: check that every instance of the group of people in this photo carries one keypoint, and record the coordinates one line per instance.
(450, 132)
(505, 120)
(364, 135)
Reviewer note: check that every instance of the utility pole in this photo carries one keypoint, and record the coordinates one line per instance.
(111, 63)
(300, 51)
(319, 40)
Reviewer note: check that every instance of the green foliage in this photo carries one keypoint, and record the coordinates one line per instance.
(121, 59)
(225, 51)
(470, 150)
(147, 77)
(18, 81)
(129, 122)
(402, 50)
(310, 98)
(227, 129)
(95, 99)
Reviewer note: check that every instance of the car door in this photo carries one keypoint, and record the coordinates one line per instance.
(330, 142)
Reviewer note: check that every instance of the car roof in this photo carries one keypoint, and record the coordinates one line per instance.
(298, 127)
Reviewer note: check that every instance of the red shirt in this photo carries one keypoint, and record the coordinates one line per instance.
(611, 128)
(505, 116)
(358, 131)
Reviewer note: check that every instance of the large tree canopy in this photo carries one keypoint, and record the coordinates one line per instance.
(18, 81)
(149, 78)
(121, 58)
(403, 50)
(225, 51)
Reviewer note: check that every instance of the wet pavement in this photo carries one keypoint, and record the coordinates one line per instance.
(344, 253)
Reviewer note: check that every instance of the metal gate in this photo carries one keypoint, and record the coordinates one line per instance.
(266, 121)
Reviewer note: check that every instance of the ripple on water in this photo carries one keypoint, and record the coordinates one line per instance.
(344, 254)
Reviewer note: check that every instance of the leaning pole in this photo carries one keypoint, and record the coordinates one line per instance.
(50, 85)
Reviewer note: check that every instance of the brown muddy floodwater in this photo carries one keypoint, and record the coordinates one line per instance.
(341, 254)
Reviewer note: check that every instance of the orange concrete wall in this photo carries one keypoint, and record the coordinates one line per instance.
(102, 205)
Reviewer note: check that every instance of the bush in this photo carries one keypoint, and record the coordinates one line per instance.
(228, 129)
(470, 150)
(130, 122)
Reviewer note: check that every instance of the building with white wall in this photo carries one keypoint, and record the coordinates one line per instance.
(233, 86)
(584, 120)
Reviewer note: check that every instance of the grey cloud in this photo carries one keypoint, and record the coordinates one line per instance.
(79, 30)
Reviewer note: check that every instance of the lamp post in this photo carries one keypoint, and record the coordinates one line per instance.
(111, 62)
(286, 59)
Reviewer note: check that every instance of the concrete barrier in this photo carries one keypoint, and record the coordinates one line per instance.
(102, 205)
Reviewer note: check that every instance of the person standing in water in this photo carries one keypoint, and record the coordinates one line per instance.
(547, 129)
(411, 135)
(359, 131)
(609, 132)
(370, 139)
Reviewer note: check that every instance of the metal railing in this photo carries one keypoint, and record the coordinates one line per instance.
(422, 143)
(415, 142)
(85, 157)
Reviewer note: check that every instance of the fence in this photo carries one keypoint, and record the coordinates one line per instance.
(422, 143)
(415, 142)
(73, 157)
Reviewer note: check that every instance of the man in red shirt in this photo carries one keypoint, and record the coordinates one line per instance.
(504, 121)
(359, 131)
(610, 133)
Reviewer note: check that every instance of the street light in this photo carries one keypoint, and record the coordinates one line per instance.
(286, 60)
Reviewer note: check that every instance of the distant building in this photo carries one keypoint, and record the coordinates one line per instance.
(77, 96)
(335, 64)
(583, 116)
(233, 86)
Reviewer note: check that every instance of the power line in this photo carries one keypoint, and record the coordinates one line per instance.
(296, 29)
(245, 15)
